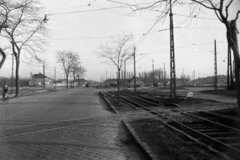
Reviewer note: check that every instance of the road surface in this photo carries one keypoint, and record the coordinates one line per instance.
(67, 124)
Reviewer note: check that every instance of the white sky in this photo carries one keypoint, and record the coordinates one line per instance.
(86, 29)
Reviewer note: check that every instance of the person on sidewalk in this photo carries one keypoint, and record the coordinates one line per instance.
(4, 92)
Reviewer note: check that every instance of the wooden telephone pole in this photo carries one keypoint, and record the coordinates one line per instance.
(172, 56)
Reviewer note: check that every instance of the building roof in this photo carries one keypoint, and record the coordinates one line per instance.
(81, 80)
(40, 75)
(110, 81)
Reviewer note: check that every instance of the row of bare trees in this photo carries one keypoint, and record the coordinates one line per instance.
(70, 62)
(22, 29)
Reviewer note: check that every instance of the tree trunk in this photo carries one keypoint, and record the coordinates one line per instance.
(237, 79)
(118, 87)
(17, 78)
(67, 81)
(232, 40)
(3, 57)
(237, 82)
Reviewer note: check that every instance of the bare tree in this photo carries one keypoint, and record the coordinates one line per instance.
(67, 59)
(221, 8)
(4, 14)
(77, 71)
(117, 53)
(25, 31)
(3, 57)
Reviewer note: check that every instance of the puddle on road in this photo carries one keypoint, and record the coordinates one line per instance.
(128, 145)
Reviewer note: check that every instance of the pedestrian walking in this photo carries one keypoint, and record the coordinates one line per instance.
(4, 92)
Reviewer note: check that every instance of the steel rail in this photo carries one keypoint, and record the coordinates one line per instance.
(146, 101)
(214, 142)
(221, 126)
(110, 92)
(161, 101)
(233, 120)
(151, 103)
(156, 101)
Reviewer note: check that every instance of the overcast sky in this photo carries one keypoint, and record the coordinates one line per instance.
(82, 26)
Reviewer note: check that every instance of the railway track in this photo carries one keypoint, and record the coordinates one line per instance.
(216, 135)
(220, 118)
(144, 100)
(214, 130)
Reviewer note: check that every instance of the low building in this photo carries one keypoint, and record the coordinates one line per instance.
(38, 80)
(110, 82)
(139, 82)
(81, 82)
(210, 80)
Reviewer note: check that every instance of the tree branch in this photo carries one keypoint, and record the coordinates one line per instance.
(3, 57)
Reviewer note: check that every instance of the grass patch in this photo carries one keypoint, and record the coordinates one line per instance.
(223, 92)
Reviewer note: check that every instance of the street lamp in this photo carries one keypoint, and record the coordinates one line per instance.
(45, 19)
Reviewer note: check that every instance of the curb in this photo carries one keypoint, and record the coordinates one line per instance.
(107, 101)
(142, 144)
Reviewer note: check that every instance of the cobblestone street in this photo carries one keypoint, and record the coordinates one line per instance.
(68, 124)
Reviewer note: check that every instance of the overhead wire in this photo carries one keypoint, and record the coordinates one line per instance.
(92, 10)
(100, 37)
(145, 35)
(99, 9)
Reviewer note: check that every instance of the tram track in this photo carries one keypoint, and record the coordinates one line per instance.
(210, 129)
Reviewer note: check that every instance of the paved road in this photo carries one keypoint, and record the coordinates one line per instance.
(69, 124)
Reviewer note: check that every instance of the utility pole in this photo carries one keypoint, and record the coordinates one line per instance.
(193, 78)
(172, 56)
(215, 67)
(43, 74)
(55, 76)
(164, 75)
(118, 86)
(12, 73)
(134, 59)
(78, 79)
(153, 71)
(106, 75)
(124, 74)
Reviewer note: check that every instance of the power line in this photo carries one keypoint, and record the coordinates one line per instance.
(194, 16)
(183, 47)
(84, 38)
(129, 4)
(145, 35)
(93, 10)
(99, 9)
